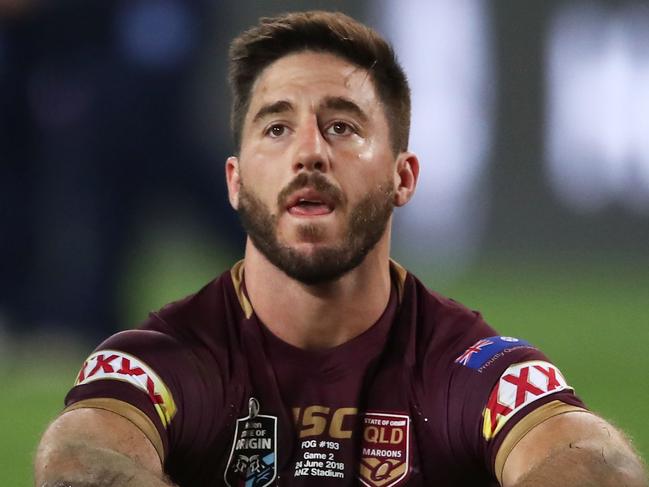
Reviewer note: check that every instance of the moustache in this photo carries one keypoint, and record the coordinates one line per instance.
(313, 180)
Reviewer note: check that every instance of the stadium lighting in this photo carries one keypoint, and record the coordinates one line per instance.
(598, 100)
(445, 47)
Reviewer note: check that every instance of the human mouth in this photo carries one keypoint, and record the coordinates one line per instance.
(309, 202)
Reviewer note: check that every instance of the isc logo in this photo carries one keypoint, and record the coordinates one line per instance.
(318, 420)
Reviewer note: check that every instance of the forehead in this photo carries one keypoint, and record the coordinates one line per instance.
(308, 77)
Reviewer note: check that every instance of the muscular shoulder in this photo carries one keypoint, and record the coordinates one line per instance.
(199, 315)
(183, 342)
(173, 375)
(444, 327)
(481, 382)
(205, 324)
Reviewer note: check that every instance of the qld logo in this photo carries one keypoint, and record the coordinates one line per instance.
(253, 458)
(386, 445)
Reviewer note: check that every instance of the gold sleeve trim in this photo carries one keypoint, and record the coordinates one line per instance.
(237, 279)
(127, 411)
(525, 425)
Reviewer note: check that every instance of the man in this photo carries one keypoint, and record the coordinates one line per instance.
(317, 360)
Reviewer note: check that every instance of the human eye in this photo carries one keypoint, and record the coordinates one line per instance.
(275, 130)
(341, 128)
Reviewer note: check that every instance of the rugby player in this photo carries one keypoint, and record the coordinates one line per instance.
(317, 360)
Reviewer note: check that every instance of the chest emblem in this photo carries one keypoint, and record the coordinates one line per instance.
(253, 458)
(385, 459)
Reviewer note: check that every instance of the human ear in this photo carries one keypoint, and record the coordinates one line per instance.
(233, 180)
(405, 177)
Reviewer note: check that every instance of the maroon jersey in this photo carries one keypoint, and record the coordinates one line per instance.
(429, 395)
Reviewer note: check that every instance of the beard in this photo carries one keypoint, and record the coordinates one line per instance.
(366, 225)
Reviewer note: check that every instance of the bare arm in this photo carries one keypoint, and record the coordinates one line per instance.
(96, 448)
(576, 449)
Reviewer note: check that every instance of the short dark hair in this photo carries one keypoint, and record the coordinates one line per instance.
(319, 31)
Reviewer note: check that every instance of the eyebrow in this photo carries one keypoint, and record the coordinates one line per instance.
(280, 106)
(345, 105)
(331, 102)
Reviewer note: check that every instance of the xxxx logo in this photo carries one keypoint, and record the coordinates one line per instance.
(520, 385)
(385, 452)
(116, 365)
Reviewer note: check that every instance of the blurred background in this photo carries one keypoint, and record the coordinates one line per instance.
(531, 120)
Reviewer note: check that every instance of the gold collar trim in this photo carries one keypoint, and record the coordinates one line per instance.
(397, 271)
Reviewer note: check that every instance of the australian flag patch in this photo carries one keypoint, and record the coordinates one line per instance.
(484, 349)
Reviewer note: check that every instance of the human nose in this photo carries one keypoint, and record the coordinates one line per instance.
(311, 149)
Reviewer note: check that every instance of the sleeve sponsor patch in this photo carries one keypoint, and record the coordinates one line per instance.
(520, 385)
(486, 349)
(115, 365)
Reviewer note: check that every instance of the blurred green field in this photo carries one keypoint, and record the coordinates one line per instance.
(589, 317)
(32, 394)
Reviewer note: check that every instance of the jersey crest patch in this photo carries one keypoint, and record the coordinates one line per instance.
(253, 458)
(486, 349)
(520, 385)
(385, 459)
(116, 365)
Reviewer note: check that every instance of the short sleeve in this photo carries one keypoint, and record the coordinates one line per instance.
(151, 379)
(501, 387)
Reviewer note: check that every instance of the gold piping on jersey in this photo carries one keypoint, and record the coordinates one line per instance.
(400, 273)
(525, 425)
(127, 411)
(236, 273)
(237, 280)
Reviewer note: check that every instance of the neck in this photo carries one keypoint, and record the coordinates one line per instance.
(319, 316)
